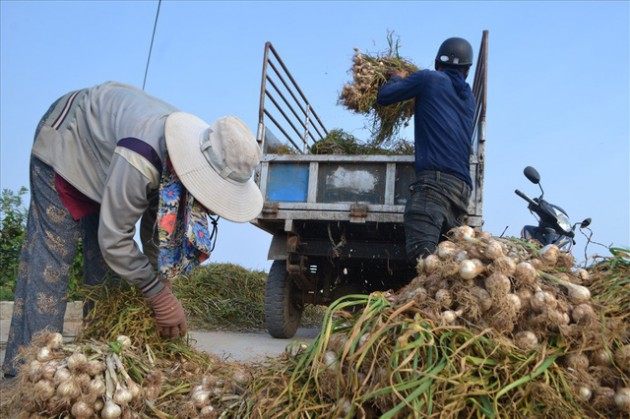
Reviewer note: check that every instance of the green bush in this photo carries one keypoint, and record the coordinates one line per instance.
(12, 227)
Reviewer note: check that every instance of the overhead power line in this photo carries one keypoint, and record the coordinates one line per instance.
(146, 70)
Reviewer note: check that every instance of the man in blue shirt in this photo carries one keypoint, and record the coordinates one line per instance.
(443, 122)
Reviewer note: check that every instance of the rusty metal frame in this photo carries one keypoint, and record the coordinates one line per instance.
(295, 112)
(480, 89)
(479, 125)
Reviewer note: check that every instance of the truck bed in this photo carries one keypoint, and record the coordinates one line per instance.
(357, 189)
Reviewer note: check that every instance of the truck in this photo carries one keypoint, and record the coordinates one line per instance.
(336, 221)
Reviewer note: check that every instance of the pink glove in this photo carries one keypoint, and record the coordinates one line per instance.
(169, 313)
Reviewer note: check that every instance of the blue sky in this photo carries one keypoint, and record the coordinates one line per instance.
(558, 88)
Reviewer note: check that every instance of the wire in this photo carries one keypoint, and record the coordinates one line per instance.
(146, 70)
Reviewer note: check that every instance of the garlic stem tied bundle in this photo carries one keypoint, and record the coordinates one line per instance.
(111, 410)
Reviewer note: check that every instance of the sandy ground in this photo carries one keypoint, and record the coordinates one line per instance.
(230, 346)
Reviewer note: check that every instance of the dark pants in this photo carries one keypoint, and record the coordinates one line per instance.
(438, 202)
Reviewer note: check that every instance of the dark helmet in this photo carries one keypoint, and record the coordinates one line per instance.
(455, 52)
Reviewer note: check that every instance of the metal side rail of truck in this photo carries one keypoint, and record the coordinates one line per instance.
(336, 220)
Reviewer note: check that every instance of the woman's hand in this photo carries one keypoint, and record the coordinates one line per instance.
(169, 313)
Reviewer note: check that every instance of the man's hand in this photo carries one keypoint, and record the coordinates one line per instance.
(169, 313)
(402, 73)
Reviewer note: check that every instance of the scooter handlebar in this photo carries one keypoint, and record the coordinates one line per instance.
(525, 197)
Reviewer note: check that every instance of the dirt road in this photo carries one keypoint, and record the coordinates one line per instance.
(230, 346)
(247, 347)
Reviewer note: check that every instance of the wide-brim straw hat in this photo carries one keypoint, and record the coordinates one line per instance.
(216, 163)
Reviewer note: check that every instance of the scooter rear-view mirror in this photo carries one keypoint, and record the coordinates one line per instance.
(532, 174)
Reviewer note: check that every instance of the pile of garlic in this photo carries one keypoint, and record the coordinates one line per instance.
(529, 294)
(493, 282)
(84, 379)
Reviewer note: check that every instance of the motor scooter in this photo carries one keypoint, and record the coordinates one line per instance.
(554, 226)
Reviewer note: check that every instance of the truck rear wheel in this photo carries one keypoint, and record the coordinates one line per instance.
(283, 311)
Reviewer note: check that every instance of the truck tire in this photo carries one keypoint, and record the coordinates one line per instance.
(283, 312)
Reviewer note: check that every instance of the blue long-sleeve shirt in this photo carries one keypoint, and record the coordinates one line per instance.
(443, 118)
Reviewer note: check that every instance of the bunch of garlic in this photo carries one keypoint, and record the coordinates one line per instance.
(80, 380)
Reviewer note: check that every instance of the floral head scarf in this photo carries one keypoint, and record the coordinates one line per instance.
(182, 224)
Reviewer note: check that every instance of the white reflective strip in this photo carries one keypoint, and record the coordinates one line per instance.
(141, 163)
(65, 110)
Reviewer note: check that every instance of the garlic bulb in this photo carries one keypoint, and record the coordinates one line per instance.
(578, 294)
(498, 284)
(54, 340)
(549, 254)
(431, 263)
(44, 354)
(470, 268)
(447, 249)
(526, 340)
(77, 362)
(483, 296)
(577, 361)
(80, 410)
(601, 357)
(43, 390)
(207, 411)
(122, 396)
(443, 296)
(525, 273)
(97, 387)
(463, 233)
(330, 360)
(504, 265)
(622, 399)
(200, 398)
(111, 410)
(62, 374)
(585, 393)
(68, 390)
(582, 313)
(494, 250)
(449, 316)
(124, 341)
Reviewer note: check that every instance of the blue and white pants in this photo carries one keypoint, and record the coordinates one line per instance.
(49, 248)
